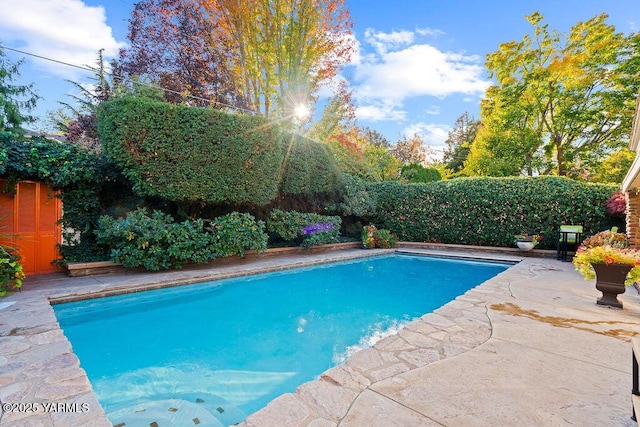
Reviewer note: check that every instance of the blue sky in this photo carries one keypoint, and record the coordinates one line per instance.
(419, 65)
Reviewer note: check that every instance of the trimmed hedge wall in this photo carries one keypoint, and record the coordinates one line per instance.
(490, 211)
(183, 153)
(309, 167)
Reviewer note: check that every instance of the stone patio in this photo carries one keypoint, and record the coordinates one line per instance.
(528, 347)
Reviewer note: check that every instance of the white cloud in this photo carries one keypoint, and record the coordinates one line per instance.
(381, 111)
(382, 42)
(430, 32)
(65, 30)
(400, 66)
(433, 110)
(420, 70)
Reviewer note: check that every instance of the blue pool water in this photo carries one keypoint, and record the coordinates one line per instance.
(233, 345)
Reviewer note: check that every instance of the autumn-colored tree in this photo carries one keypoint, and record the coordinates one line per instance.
(282, 50)
(410, 149)
(174, 45)
(354, 149)
(558, 99)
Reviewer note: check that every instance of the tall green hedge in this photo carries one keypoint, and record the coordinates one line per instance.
(490, 211)
(183, 153)
(310, 167)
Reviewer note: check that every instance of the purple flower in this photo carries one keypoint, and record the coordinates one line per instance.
(321, 227)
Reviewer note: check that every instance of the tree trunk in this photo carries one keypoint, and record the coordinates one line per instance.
(562, 168)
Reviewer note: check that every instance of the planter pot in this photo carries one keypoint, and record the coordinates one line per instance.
(525, 246)
(610, 281)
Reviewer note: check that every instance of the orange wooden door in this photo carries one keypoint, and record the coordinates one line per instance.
(29, 222)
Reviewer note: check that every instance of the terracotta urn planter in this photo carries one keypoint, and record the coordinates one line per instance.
(610, 281)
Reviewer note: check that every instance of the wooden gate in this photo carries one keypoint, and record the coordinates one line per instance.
(29, 222)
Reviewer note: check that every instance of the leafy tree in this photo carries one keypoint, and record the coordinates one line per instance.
(560, 101)
(337, 117)
(459, 140)
(614, 167)
(410, 149)
(174, 45)
(376, 138)
(81, 126)
(15, 100)
(283, 50)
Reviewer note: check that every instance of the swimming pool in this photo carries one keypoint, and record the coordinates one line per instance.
(224, 349)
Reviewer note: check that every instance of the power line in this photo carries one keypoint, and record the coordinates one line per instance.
(92, 69)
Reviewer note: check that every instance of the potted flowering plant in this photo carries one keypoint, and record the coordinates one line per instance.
(612, 265)
(527, 241)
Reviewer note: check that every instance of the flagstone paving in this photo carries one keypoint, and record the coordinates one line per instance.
(527, 347)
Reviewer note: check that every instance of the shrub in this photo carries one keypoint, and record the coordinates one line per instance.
(490, 211)
(374, 238)
(385, 239)
(312, 227)
(416, 173)
(616, 205)
(236, 232)
(154, 241)
(11, 273)
(320, 234)
(355, 198)
(181, 154)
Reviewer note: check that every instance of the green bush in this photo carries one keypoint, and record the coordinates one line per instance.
(236, 232)
(373, 238)
(385, 239)
(312, 228)
(157, 242)
(416, 173)
(355, 198)
(154, 241)
(490, 211)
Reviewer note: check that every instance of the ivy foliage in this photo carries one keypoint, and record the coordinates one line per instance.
(182, 153)
(490, 211)
(87, 182)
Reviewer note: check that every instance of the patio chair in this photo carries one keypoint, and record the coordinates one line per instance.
(570, 235)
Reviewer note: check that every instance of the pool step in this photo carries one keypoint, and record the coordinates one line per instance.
(202, 410)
